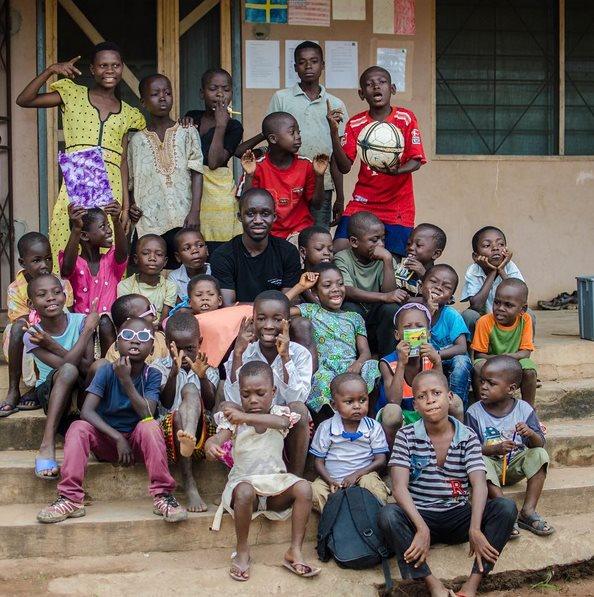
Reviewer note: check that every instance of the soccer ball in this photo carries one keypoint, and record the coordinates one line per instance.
(380, 145)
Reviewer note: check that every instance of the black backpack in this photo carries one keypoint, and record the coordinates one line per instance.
(348, 531)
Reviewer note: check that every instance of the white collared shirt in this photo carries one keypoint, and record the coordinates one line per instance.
(299, 369)
(181, 279)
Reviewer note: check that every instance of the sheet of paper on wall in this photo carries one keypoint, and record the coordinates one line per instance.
(290, 75)
(404, 17)
(394, 61)
(314, 13)
(342, 65)
(383, 16)
(262, 64)
(266, 11)
(348, 10)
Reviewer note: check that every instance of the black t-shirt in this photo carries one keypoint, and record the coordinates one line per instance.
(232, 138)
(277, 267)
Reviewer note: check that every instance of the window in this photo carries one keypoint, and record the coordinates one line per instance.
(497, 77)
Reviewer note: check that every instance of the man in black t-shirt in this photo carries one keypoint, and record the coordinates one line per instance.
(255, 261)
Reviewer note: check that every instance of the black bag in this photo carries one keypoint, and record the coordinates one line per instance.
(348, 531)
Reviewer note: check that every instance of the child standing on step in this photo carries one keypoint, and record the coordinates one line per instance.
(118, 426)
(512, 439)
(259, 482)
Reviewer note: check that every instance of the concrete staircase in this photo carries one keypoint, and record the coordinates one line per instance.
(120, 521)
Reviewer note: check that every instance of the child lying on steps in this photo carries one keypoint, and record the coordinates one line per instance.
(258, 482)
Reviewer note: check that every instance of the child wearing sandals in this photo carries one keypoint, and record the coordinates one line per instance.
(509, 430)
(258, 483)
(188, 386)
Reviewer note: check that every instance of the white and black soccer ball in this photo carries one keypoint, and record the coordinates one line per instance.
(380, 145)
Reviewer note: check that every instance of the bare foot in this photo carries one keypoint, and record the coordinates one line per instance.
(436, 587)
(195, 502)
(187, 443)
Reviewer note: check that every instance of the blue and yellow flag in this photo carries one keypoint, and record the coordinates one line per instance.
(266, 11)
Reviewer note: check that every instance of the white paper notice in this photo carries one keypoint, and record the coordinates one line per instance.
(262, 64)
(394, 61)
(290, 75)
(348, 10)
(342, 65)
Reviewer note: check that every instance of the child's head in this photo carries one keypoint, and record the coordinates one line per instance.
(35, 254)
(270, 308)
(375, 87)
(489, 242)
(329, 288)
(440, 283)
(132, 305)
(156, 95)
(281, 131)
(190, 248)
(410, 316)
(426, 243)
(46, 296)
(257, 213)
(96, 231)
(315, 246)
(309, 61)
(216, 86)
(511, 300)
(432, 396)
(349, 396)
(365, 231)
(256, 387)
(107, 64)
(184, 330)
(135, 339)
(500, 377)
(204, 292)
(151, 254)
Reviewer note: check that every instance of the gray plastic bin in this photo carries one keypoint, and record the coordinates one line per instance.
(585, 293)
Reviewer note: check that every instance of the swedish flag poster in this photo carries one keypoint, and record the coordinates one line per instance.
(266, 11)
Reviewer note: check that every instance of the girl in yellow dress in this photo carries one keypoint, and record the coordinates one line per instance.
(93, 117)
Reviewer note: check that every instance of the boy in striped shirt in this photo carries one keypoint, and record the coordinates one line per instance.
(434, 462)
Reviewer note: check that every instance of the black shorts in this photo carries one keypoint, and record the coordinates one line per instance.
(42, 393)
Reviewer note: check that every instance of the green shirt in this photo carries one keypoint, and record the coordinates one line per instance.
(365, 276)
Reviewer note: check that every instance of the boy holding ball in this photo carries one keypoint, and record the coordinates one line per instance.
(387, 193)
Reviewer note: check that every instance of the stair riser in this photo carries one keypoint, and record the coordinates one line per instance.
(565, 404)
(571, 451)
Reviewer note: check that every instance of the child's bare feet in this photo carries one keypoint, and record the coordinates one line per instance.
(436, 587)
(295, 562)
(195, 502)
(240, 566)
(187, 443)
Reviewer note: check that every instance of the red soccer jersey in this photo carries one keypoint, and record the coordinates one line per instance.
(390, 198)
(292, 190)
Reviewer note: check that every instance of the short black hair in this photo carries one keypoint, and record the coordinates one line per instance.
(151, 236)
(308, 45)
(144, 82)
(446, 267)
(181, 232)
(28, 240)
(343, 378)
(105, 46)
(207, 75)
(272, 122)
(182, 321)
(371, 69)
(324, 267)
(476, 237)
(431, 372)
(438, 234)
(273, 295)
(507, 366)
(360, 222)
(38, 279)
(516, 283)
(120, 308)
(256, 369)
(246, 195)
(91, 215)
(203, 278)
(306, 234)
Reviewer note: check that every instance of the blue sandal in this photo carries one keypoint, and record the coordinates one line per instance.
(45, 464)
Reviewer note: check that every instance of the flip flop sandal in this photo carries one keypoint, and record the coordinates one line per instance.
(238, 573)
(7, 413)
(536, 524)
(515, 534)
(292, 567)
(45, 464)
(29, 397)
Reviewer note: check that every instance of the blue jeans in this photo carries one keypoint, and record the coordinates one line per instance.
(458, 370)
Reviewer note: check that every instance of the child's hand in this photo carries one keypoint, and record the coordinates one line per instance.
(125, 454)
(523, 430)
(379, 253)
(320, 164)
(508, 254)
(396, 296)
(245, 335)
(355, 367)
(390, 170)
(123, 369)
(427, 350)
(66, 69)
(334, 117)
(234, 415)
(484, 262)
(177, 358)
(76, 213)
(350, 480)
(413, 264)
(419, 548)
(504, 447)
(221, 114)
(432, 304)
(134, 213)
(192, 220)
(199, 366)
(282, 340)
(92, 318)
(37, 335)
(212, 450)
(334, 486)
(308, 280)
(403, 351)
(186, 121)
(248, 162)
(113, 209)
(481, 549)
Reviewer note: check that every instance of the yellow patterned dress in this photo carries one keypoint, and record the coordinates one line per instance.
(83, 128)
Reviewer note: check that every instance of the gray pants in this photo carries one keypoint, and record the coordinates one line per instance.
(470, 317)
(323, 215)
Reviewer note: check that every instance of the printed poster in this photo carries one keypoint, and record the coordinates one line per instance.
(262, 64)
(348, 10)
(342, 65)
(313, 13)
(394, 61)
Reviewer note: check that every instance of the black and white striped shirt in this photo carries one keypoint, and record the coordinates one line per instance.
(432, 487)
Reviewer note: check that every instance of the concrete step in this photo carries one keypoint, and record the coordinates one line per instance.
(565, 398)
(571, 442)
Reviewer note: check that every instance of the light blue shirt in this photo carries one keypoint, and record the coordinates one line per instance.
(449, 327)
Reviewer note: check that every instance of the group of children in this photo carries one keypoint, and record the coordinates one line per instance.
(282, 340)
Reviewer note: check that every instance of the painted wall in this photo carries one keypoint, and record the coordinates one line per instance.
(544, 205)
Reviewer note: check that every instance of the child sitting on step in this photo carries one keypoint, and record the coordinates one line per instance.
(259, 482)
(117, 425)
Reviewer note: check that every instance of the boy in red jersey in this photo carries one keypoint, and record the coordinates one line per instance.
(387, 193)
(293, 181)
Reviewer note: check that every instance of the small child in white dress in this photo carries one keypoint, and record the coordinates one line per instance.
(258, 482)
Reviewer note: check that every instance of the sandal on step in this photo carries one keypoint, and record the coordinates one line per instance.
(236, 572)
(310, 570)
(4, 412)
(45, 464)
(32, 400)
(515, 534)
(536, 524)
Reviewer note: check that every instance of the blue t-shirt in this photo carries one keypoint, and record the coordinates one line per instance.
(115, 407)
(449, 327)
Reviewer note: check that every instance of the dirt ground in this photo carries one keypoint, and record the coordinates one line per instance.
(581, 588)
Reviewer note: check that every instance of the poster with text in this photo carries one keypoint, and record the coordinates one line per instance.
(312, 13)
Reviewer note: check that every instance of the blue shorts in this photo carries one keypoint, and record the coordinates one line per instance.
(396, 235)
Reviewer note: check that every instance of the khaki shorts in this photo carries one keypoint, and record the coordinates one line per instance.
(371, 481)
(522, 466)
